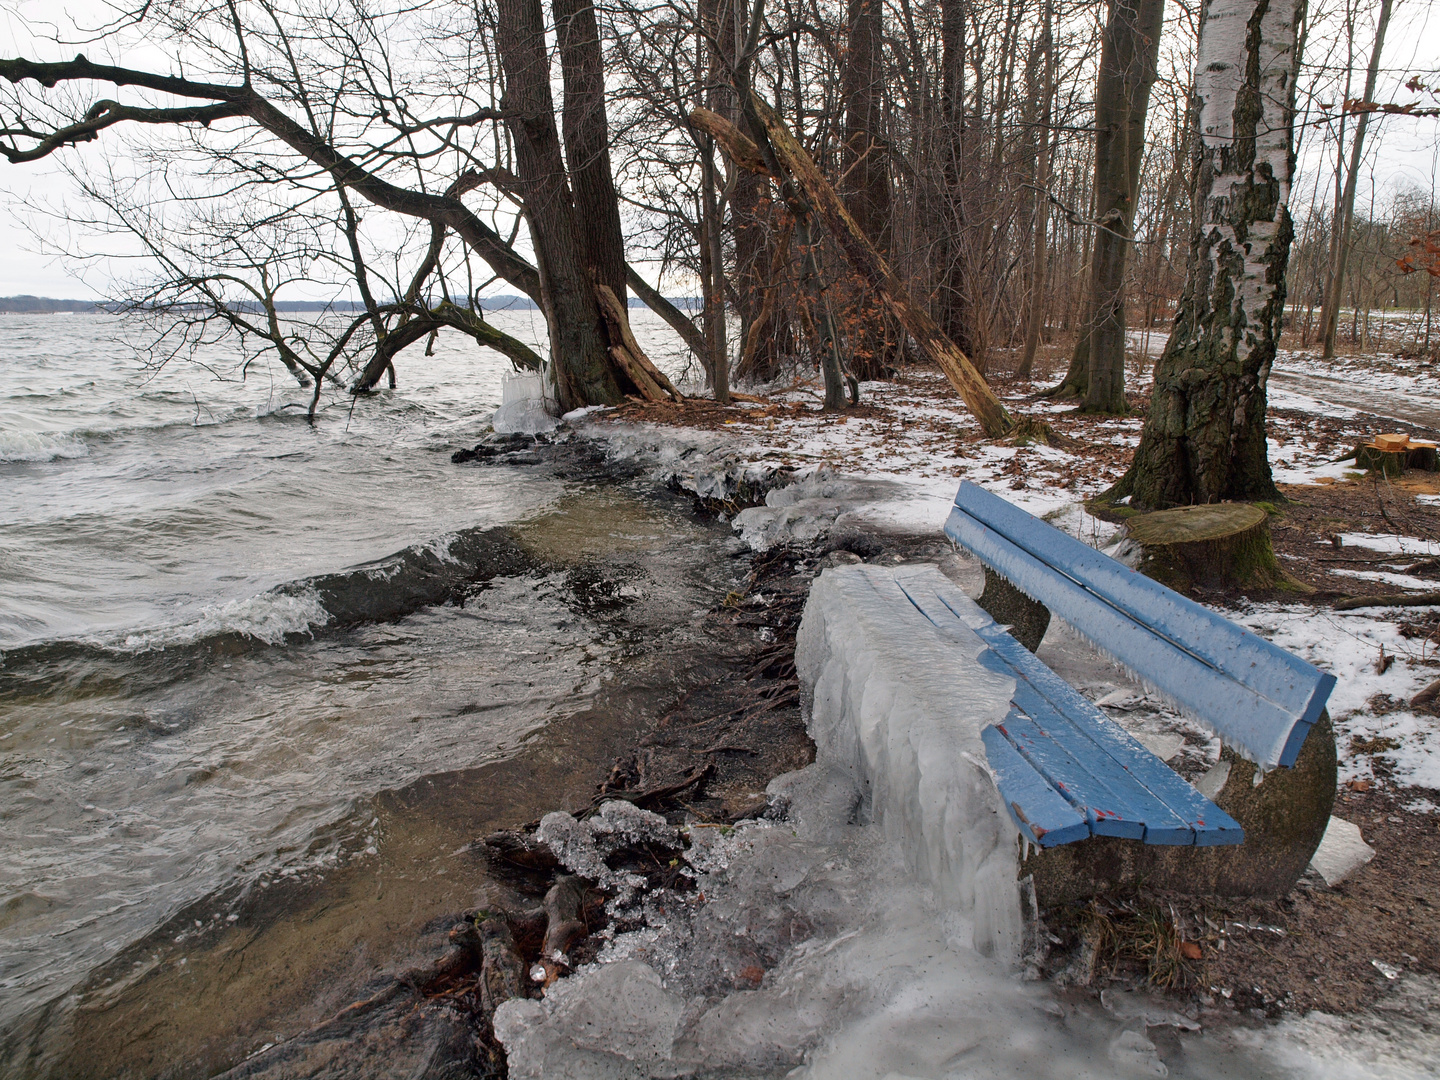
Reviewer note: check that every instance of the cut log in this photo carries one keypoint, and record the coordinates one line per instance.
(1210, 546)
(1420, 599)
(1376, 459)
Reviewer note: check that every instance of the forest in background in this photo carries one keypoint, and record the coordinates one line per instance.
(851, 185)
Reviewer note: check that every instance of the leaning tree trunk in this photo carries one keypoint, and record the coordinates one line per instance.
(1204, 437)
(587, 142)
(582, 366)
(1128, 55)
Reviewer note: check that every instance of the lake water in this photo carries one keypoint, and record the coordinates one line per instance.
(225, 632)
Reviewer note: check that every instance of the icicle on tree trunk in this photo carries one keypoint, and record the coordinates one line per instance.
(1345, 210)
(1204, 437)
(1128, 55)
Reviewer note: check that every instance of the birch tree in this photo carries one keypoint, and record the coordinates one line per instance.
(1204, 437)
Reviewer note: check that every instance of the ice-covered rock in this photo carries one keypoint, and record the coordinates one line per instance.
(1342, 851)
(807, 510)
(901, 707)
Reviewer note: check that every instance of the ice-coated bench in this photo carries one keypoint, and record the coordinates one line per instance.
(1064, 770)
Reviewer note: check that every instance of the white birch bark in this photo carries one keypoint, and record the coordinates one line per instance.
(1204, 437)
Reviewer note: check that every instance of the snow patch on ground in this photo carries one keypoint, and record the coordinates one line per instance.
(1348, 645)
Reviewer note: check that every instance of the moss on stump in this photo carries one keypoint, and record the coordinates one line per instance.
(1217, 545)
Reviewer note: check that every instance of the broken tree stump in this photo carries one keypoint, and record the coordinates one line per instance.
(1210, 546)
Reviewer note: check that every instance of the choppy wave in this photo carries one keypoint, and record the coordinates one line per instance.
(266, 618)
(39, 446)
(434, 572)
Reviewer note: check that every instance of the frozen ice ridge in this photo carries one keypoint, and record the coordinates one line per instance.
(901, 707)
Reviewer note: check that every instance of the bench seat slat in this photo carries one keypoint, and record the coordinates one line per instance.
(1108, 812)
(1173, 811)
(1243, 716)
(1037, 809)
(1193, 814)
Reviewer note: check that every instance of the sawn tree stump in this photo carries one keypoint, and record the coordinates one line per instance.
(1210, 546)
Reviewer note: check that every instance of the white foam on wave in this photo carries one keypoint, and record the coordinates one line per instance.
(268, 617)
(39, 446)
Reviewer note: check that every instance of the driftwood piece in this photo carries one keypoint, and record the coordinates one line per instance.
(650, 379)
(866, 260)
(502, 972)
(562, 914)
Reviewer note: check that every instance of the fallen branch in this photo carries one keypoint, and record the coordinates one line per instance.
(1424, 599)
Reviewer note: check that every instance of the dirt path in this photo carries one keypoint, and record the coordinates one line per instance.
(1407, 408)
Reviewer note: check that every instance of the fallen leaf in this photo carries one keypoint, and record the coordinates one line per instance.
(1190, 950)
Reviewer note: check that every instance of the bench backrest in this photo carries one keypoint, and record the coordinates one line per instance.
(1255, 695)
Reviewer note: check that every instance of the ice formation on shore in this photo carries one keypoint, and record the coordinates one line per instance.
(846, 936)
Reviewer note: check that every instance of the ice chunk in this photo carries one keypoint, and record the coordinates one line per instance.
(582, 846)
(620, 1027)
(1342, 851)
(899, 705)
(805, 511)
(524, 409)
(1136, 1054)
(1160, 743)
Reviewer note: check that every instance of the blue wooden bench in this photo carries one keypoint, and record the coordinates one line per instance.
(1064, 769)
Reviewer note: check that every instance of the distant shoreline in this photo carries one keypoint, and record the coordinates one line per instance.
(45, 305)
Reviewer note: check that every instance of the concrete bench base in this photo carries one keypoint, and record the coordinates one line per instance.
(1284, 817)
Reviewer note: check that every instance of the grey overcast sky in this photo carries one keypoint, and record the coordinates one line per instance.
(1402, 151)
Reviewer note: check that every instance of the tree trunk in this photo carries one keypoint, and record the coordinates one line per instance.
(713, 285)
(1035, 316)
(1128, 55)
(1345, 210)
(587, 142)
(864, 163)
(1204, 437)
(955, 314)
(581, 364)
